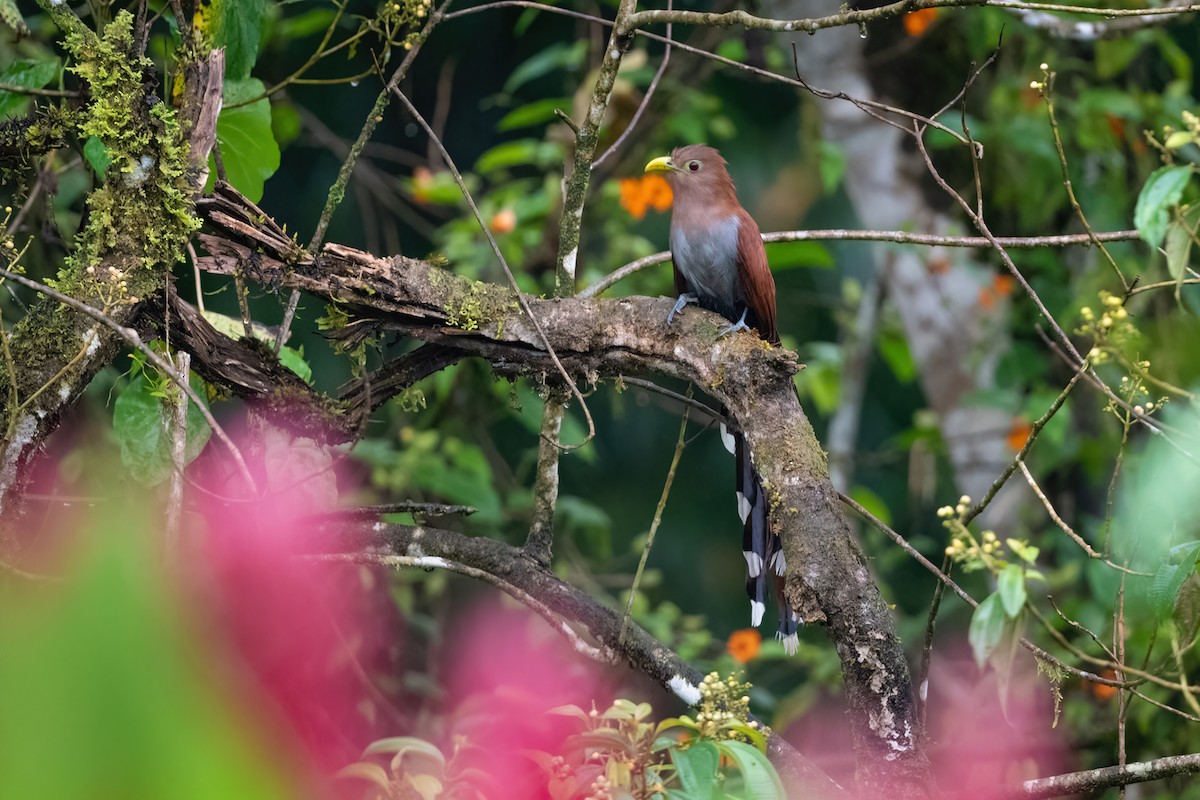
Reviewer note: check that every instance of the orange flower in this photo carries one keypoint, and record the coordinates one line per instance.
(917, 22)
(643, 193)
(1102, 691)
(1003, 285)
(987, 298)
(1018, 434)
(744, 645)
(504, 221)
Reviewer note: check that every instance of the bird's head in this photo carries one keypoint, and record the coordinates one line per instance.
(694, 171)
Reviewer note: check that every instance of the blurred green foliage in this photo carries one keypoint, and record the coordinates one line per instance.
(495, 81)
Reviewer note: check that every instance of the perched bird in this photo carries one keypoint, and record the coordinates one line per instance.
(721, 265)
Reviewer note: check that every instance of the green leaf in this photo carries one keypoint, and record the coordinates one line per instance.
(237, 25)
(140, 426)
(895, 351)
(697, 769)
(519, 153)
(248, 147)
(1011, 588)
(290, 357)
(27, 75)
(1180, 235)
(1163, 189)
(427, 786)
(535, 113)
(1005, 655)
(113, 629)
(789, 255)
(1178, 139)
(1026, 552)
(404, 745)
(761, 781)
(832, 165)
(557, 56)
(987, 626)
(371, 773)
(97, 156)
(1180, 563)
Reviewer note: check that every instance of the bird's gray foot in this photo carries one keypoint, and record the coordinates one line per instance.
(740, 325)
(683, 300)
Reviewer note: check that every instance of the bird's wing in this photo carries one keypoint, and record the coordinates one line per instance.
(681, 284)
(754, 272)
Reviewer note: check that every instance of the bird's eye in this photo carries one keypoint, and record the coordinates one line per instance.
(694, 166)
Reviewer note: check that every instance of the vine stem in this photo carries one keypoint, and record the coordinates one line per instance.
(658, 512)
(338, 190)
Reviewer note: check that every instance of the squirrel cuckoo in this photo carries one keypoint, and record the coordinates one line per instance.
(720, 264)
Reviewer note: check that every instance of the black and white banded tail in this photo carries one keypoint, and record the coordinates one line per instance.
(761, 546)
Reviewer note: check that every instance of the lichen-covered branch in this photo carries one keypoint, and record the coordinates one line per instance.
(586, 138)
(1093, 780)
(828, 580)
(139, 220)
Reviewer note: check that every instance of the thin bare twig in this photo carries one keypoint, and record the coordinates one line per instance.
(338, 190)
(658, 512)
(637, 115)
(601, 654)
(131, 336)
(899, 237)
(512, 280)
(1067, 529)
(1038, 652)
(179, 432)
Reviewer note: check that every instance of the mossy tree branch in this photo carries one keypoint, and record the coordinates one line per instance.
(598, 338)
(139, 221)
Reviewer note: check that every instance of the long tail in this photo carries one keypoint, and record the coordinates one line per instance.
(761, 546)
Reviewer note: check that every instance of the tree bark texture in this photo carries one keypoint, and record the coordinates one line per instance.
(827, 580)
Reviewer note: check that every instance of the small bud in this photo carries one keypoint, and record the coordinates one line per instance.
(1139, 410)
(1043, 66)
(965, 500)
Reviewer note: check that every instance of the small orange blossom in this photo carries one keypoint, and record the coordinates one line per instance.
(917, 22)
(645, 192)
(1018, 434)
(744, 644)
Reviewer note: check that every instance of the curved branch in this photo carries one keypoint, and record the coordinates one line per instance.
(560, 603)
(828, 581)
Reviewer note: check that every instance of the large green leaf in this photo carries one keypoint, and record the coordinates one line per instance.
(140, 426)
(248, 147)
(237, 25)
(760, 781)
(697, 769)
(987, 627)
(1180, 563)
(1180, 234)
(107, 681)
(1162, 191)
(28, 75)
(1011, 588)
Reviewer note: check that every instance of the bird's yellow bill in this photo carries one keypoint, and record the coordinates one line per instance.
(661, 164)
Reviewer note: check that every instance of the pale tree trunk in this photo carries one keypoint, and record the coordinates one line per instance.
(955, 343)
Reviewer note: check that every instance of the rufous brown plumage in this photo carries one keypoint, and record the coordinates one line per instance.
(721, 264)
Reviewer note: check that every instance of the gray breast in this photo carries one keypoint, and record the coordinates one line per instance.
(707, 257)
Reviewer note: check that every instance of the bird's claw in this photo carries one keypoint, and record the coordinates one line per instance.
(683, 300)
(740, 325)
